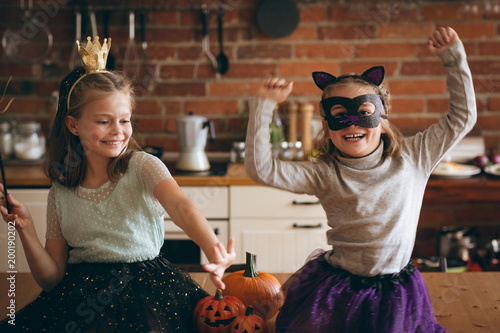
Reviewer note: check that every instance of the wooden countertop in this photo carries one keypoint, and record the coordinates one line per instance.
(463, 302)
(477, 188)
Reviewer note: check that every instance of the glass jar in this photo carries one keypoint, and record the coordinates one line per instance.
(6, 140)
(29, 142)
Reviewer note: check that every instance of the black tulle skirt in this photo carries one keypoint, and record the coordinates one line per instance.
(147, 296)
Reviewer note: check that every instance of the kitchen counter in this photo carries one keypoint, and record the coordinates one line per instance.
(463, 302)
(477, 188)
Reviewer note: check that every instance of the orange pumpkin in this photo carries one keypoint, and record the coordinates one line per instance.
(214, 314)
(260, 290)
(248, 323)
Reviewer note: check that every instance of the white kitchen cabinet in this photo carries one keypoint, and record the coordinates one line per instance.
(36, 201)
(280, 227)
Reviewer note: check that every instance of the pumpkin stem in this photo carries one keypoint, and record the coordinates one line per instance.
(249, 311)
(250, 267)
(218, 295)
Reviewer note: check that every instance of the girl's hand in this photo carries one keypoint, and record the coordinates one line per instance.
(19, 213)
(275, 89)
(441, 40)
(222, 260)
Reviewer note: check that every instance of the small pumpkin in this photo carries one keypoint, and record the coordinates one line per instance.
(214, 314)
(260, 290)
(248, 323)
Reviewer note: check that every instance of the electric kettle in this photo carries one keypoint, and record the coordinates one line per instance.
(192, 134)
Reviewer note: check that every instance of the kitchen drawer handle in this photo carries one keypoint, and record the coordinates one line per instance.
(295, 202)
(216, 231)
(307, 226)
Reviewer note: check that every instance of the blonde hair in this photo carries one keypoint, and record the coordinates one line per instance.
(325, 150)
(66, 161)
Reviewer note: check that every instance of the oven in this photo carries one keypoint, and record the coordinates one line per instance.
(178, 248)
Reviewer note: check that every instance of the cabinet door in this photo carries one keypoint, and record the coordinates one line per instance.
(281, 246)
(212, 200)
(270, 203)
(36, 201)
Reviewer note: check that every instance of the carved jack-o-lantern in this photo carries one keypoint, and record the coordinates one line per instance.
(248, 323)
(214, 314)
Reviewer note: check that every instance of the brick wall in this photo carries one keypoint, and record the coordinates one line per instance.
(333, 36)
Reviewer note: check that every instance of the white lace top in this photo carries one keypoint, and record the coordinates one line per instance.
(119, 221)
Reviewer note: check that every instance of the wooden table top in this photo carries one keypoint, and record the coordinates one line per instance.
(463, 302)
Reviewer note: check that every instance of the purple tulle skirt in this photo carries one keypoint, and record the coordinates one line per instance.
(321, 298)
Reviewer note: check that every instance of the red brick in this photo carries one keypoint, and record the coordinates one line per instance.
(163, 17)
(160, 52)
(264, 51)
(313, 15)
(305, 69)
(484, 66)
(491, 48)
(348, 32)
(149, 125)
(251, 70)
(473, 215)
(170, 125)
(405, 30)
(306, 88)
(173, 107)
(144, 107)
(25, 105)
(389, 13)
(212, 106)
(486, 84)
(179, 89)
(299, 34)
(438, 105)
(403, 87)
(385, 50)
(451, 12)
(407, 105)
(488, 122)
(494, 104)
(242, 88)
(324, 51)
(359, 67)
(422, 68)
(475, 30)
(169, 35)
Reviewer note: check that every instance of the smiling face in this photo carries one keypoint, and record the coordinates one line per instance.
(354, 140)
(104, 127)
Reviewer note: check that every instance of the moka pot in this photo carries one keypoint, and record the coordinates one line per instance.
(192, 134)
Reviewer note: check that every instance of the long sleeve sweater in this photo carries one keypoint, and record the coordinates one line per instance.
(372, 203)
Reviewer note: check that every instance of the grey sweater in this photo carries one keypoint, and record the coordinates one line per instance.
(372, 204)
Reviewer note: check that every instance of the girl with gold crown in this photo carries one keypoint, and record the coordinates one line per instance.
(101, 269)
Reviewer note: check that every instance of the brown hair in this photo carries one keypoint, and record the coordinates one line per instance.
(325, 150)
(66, 161)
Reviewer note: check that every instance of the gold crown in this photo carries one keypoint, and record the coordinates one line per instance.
(94, 56)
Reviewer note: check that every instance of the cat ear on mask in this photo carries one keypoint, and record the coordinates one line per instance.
(322, 79)
(374, 75)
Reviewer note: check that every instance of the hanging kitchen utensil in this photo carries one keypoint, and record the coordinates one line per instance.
(110, 64)
(149, 77)
(222, 60)
(277, 18)
(205, 44)
(131, 63)
(75, 60)
(30, 41)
